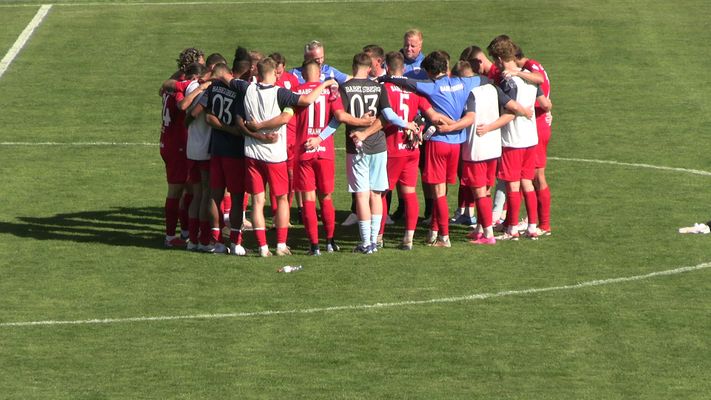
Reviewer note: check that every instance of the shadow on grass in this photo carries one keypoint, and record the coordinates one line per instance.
(119, 226)
(144, 227)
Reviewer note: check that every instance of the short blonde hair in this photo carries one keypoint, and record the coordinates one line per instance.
(413, 32)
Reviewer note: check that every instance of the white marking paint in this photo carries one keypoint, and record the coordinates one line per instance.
(23, 38)
(637, 165)
(77, 144)
(200, 3)
(366, 307)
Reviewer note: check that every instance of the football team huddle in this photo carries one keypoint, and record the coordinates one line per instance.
(233, 132)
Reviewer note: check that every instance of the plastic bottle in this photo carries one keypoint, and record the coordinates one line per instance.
(429, 132)
(289, 268)
(333, 95)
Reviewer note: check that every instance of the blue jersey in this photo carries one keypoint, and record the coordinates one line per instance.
(413, 69)
(327, 72)
(448, 96)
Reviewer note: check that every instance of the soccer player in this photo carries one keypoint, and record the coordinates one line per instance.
(314, 50)
(448, 95)
(519, 140)
(412, 52)
(403, 148)
(287, 80)
(227, 166)
(538, 75)
(315, 168)
(173, 140)
(366, 152)
(480, 63)
(266, 162)
(482, 149)
(199, 163)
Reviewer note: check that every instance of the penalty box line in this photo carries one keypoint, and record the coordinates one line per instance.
(366, 307)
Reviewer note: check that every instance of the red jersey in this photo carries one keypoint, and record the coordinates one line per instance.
(494, 74)
(311, 120)
(173, 131)
(406, 104)
(535, 66)
(287, 80)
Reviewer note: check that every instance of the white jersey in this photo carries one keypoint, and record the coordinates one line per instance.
(198, 147)
(260, 104)
(487, 147)
(521, 132)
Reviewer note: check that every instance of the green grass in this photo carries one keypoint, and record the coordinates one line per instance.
(81, 226)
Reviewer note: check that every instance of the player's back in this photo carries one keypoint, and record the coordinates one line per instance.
(173, 129)
(521, 132)
(480, 148)
(226, 104)
(361, 96)
(311, 120)
(260, 104)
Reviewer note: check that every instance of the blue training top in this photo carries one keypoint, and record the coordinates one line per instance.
(327, 72)
(448, 95)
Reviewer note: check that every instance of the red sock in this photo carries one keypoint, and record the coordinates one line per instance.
(226, 204)
(484, 211)
(216, 234)
(544, 208)
(261, 235)
(308, 210)
(384, 218)
(531, 206)
(282, 233)
(236, 236)
(514, 201)
(184, 217)
(434, 225)
(443, 215)
(194, 230)
(205, 232)
(172, 208)
(412, 210)
(328, 216)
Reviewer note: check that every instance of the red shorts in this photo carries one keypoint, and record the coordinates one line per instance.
(517, 164)
(227, 172)
(194, 168)
(544, 136)
(315, 174)
(403, 170)
(441, 160)
(477, 174)
(291, 157)
(261, 173)
(176, 164)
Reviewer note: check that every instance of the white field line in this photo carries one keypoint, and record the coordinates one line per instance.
(77, 144)
(583, 160)
(637, 165)
(226, 2)
(23, 38)
(366, 307)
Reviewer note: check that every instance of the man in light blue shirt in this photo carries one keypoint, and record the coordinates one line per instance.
(412, 51)
(313, 50)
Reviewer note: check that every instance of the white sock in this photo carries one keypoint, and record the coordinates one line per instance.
(281, 246)
(375, 221)
(364, 227)
(409, 235)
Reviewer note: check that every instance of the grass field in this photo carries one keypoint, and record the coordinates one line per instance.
(81, 224)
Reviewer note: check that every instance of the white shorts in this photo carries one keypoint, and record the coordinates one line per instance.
(367, 172)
